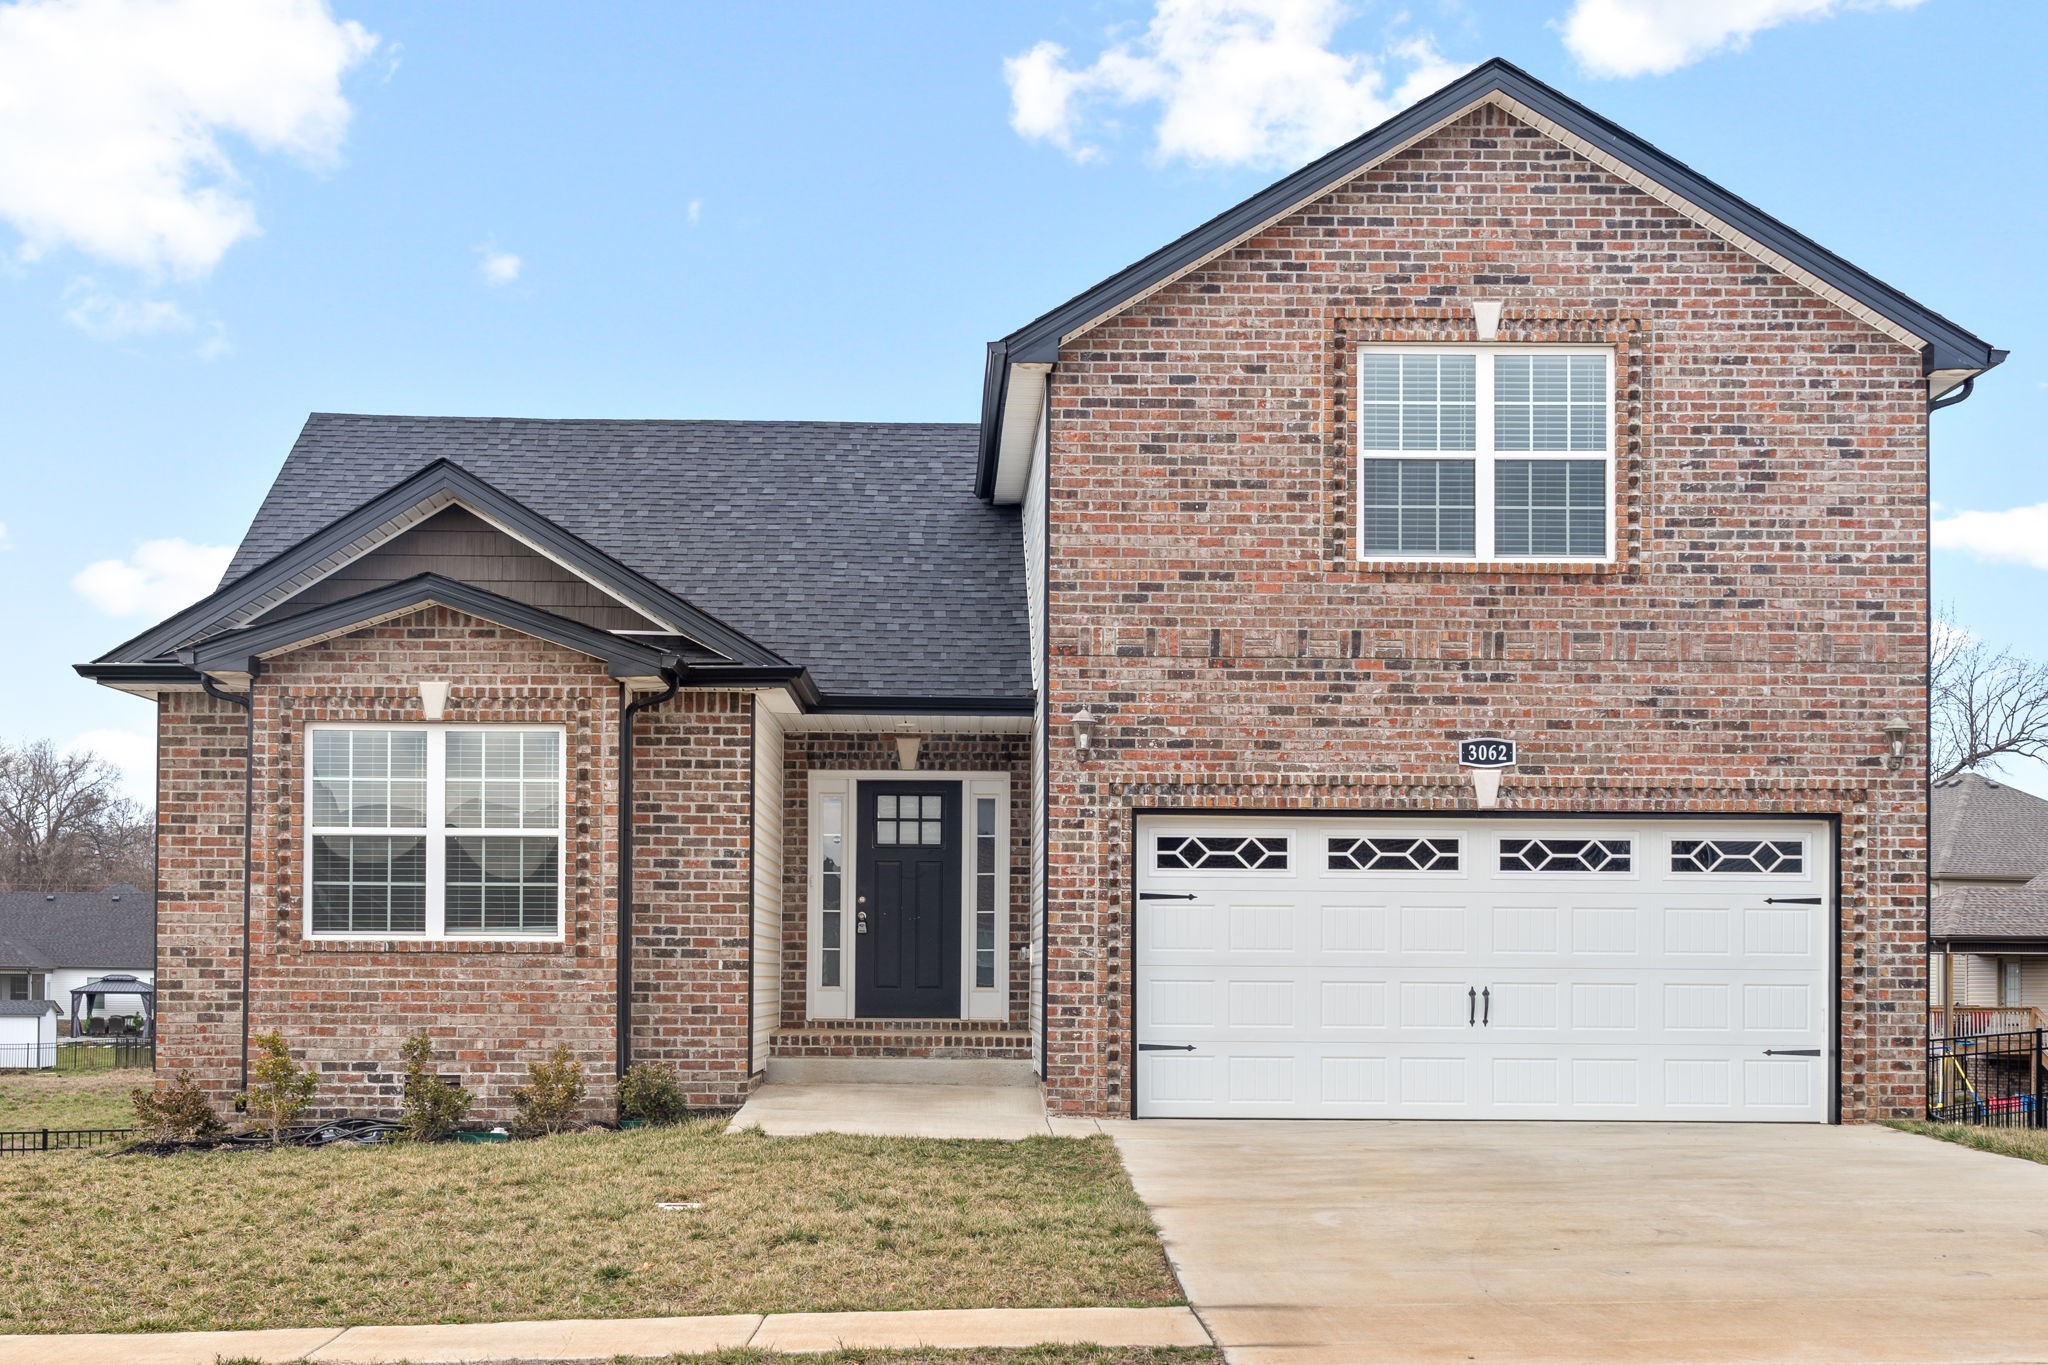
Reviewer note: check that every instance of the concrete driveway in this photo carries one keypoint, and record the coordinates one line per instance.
(1482, 1242)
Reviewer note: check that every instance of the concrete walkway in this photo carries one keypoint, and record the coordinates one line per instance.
(1003, 1112)
(1491, 1242)
(602, 1339)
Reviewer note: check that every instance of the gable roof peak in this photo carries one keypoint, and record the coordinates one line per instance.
(1950, 355)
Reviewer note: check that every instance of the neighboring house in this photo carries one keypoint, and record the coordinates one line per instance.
(1115, 738)
(53, 943)
(1990, 908)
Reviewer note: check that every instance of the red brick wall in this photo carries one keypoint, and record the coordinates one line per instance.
(940, 753)
(493, 1007)
(1768, 612)
(692, 903)
(201, 744)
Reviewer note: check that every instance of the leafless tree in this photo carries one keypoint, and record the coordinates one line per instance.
(64, 824)
(1983, 703)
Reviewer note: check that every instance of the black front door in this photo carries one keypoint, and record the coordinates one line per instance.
(907, 904)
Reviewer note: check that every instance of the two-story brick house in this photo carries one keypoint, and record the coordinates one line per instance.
(1115, 740)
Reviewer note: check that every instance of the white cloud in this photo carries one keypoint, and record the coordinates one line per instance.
(158, 579)
(1651, 37)
(1236, 82)
(2018, 535)
(3, 536)
(112, 114)
(216, 343)
(695, 211)
(134, 754)
(497, 267)
(108, 317)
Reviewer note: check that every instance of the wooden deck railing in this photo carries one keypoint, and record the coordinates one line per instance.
(1971, 1021)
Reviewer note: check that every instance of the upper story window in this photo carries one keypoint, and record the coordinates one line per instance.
(1486, 453)
(434, 831)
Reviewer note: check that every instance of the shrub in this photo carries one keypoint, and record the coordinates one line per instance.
(279, 1089)
(547, 1102)
(431, 1107)
(652, 1093)
(176, 1111)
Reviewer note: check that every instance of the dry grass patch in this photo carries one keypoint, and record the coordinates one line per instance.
(567, 1227)
(93, 1100)
(2028, 1144)
(1031, 1355)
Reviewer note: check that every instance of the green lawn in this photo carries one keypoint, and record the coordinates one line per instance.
(41, 1099)
(2028, 1144)
(567, 1227)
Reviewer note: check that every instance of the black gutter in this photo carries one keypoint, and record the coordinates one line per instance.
(843, 704)
(138, 674)
(219, 693)
(624, 1012)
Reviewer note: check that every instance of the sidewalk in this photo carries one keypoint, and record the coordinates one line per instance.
(602, 1339)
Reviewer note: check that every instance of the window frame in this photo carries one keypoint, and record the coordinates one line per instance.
(437, 832)
(1484, 456)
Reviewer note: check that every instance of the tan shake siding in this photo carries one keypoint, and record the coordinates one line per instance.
(1768, 612)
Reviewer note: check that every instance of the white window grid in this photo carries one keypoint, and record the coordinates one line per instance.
(1483, 455)
(437, 832)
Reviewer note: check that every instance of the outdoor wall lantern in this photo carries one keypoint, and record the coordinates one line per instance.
(1896, 731)
(1083, 723)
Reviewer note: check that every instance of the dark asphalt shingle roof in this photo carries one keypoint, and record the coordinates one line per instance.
(1984, 828)
(110, 930)
(855, 549)
(1982, 912)
(25, 1009)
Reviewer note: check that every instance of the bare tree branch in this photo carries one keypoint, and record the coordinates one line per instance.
(64, 825)
(1983, 703)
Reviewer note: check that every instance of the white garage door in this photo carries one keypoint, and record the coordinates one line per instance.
(1504, 969)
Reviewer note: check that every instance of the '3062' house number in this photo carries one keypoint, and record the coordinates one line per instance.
(1486, 753)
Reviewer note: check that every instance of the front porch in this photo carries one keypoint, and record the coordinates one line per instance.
(893, 929)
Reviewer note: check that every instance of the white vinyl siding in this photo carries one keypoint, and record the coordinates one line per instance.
(768, 786)
(1035, 533)
(1485, 454)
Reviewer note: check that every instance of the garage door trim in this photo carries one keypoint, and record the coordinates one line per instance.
(1833, 917)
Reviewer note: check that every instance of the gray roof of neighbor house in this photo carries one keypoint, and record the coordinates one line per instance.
(1984, 828)
(110, 930)
(854, 550)
(25, 1009)
(1984, 913)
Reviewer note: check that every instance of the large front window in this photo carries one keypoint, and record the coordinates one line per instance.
(433, 831)
(1485, 453)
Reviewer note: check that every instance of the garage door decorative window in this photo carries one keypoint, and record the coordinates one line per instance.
(1564, 855)
(1225, 852)
(1394, 855)
(1783, 856)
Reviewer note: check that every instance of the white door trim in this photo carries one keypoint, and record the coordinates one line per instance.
(841, 786)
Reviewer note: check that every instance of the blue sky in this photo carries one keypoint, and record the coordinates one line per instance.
(211, 225)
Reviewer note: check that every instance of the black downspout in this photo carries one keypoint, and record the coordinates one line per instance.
(624, 1010)
(219, 693)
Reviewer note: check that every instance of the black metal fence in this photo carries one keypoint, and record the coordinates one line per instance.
(13, 1142)
(1995, 1079)
(83, 1055)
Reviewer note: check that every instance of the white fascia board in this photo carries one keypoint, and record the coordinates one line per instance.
(1684, 207)
(1023, 401)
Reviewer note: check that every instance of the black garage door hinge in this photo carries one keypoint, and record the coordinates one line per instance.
(1792, 900)
(1791, 1052)
(1166, 895)
(1166, 1047)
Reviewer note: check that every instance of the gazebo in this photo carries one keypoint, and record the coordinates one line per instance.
(94, 994)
